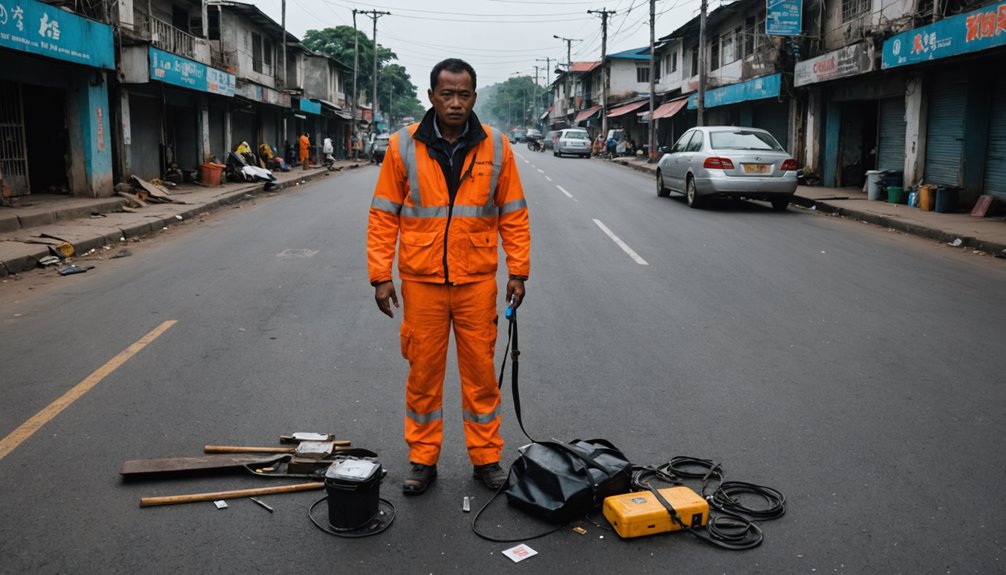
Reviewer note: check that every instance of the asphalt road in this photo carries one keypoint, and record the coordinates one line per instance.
(856, 370)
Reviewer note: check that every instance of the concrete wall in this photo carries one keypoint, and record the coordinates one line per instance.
(236, 41)
(623, 79)
(671, 80)
(880, 16)
(316, 79)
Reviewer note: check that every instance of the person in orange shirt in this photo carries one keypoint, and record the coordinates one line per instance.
(305, 150)
(448, 192)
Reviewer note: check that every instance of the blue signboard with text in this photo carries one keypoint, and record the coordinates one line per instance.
(962, 34)
(755, 89)
(37, 28)
(783, 17)
(310, 106)
(172, 69)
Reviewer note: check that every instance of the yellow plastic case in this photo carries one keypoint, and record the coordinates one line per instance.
(639, 513)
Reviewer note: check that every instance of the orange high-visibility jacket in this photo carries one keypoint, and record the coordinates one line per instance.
(440, 242)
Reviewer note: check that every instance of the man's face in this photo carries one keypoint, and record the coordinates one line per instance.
(453, 98)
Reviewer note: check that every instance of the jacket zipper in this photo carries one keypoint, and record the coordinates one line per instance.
(450, 210)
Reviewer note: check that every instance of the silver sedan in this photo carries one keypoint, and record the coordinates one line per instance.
(727, 161)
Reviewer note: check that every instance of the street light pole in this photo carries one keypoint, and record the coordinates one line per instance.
(652, 138)
(569, 62)
(374, 14)
(356, 76)
(700, 98)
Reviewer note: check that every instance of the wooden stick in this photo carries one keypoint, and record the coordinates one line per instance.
(239, 449)
(195, 497)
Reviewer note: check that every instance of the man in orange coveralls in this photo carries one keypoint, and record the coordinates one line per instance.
(305, 150)
(448, 190)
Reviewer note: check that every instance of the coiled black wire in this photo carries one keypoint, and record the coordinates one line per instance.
(726, 499)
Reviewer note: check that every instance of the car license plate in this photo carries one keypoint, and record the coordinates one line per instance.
(756, 168)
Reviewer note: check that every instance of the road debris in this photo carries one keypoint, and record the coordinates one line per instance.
(519, 553)
(221, 504)
(123, 253)
(71, 269)
(263, 505)
(957, 243)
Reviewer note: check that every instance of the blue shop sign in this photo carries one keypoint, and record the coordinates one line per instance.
(31, 26)
(962, 34)
(783, 17)
(756, 89)
(172, 69)
(310, 107)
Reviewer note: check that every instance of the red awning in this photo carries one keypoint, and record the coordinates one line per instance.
(668, 109)
(586, 114)
(622, 110)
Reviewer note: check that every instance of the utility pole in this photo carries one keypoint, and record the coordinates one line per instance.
(604, 66)
(548, 74)
(534, 103)
(356, 75)
(652, 122)
(569, 64)
(700, 98)
(282, 42)
(374, 14)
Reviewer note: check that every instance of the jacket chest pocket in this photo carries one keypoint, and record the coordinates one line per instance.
(482, 252)
(419, 253)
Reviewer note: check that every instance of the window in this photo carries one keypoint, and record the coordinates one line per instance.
(643, 74)
(695, 145)
(749, 35)
(267, 52)
(743, 140)
(714, 56)
(695, 61)
(674, 61)
(256, 52)
(213, 18)
(682, 143)
(727, 48)
(852, 9)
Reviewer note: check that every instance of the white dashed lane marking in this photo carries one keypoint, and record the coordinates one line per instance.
(618, 241)
(563, 190)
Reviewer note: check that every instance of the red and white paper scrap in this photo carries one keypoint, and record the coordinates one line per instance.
(519, 553)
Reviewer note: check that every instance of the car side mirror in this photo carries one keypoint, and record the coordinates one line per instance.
(664, 149)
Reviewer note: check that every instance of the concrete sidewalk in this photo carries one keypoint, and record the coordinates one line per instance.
(984, 234)
(42, 221)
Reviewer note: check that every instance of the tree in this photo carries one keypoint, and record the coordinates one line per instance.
(338, 43)
(511, 102)
(396, 93)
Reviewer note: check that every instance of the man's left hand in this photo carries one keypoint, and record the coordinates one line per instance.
(515, 292)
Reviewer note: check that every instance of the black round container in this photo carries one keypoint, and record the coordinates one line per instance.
(353, 485)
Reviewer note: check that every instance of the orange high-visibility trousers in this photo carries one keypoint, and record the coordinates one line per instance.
(430, 311)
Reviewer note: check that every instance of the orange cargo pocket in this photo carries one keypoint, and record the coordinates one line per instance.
(418, 254)
(483, 256)
(406, 335)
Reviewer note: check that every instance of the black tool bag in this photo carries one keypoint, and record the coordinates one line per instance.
(559, 481)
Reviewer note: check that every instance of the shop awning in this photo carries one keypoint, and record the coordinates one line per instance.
(622, 110)
(667, 109)
(545, 114)
(587, 114)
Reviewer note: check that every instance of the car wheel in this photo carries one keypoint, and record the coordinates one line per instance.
(662, 191)
(780, 204)
(691, 194)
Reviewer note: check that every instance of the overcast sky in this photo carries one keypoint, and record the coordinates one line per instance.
(499, 38)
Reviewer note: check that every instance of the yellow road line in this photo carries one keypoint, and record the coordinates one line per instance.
(19, 435)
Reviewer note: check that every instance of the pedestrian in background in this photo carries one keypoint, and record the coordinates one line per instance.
(305, 150)
(449, 188)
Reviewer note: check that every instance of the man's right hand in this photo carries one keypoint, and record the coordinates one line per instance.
(383, 292)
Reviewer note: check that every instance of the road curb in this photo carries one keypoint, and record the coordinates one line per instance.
(926, 232)
(28, 260)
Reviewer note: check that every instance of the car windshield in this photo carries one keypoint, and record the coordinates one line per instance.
(743, 140)
(577, 135)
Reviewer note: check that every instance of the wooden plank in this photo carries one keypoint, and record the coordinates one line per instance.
(169, 465)
(154, 191)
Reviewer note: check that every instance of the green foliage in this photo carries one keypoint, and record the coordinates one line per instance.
(512, 103)
(394, 82)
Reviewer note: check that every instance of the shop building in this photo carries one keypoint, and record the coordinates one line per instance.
(55, 127)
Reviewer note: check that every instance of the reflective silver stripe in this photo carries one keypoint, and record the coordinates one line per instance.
(425, 417)
(431, 212)
(407, 150)
(386, 205)
(475, 211)
(497, 163)
(483, 418)
(513, 206)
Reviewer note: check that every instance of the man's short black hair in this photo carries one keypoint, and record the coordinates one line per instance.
(455, 65)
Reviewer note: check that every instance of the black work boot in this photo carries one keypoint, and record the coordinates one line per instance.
(491, 474)
(419, 478)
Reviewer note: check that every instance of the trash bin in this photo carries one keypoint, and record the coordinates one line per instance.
(927, 197)
(210, 173)
(873, 184)
(894, 178)
(894, 194)
(946, 200)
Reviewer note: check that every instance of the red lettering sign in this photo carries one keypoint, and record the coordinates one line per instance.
(985, 24)
(972, 24)
(1001, 23)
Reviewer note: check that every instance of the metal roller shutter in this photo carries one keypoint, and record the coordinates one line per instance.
(891, 148)
(995, 157)
(945, 128)
(773, 117)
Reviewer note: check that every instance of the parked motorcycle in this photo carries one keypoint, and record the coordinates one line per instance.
(534, 144)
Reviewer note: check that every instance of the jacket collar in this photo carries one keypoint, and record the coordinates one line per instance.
(427, 131)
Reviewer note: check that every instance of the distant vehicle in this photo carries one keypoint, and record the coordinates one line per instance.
(572, 141)
(550, 138)
(517, 136)
(727, 161)
(377, 145)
